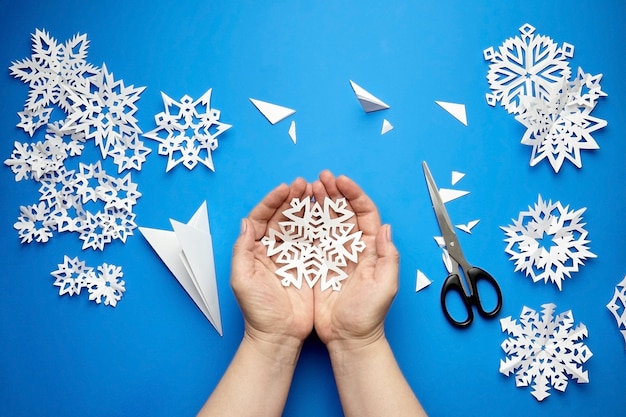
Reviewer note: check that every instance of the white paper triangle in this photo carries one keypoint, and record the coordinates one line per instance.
(421, 281)
(368, 101)
(292, 131)
(467, 228)
(457, 176)
(448, 194)
(272, 112)
(386, 127)
(455, 109)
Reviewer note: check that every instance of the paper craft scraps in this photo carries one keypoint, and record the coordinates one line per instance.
(106, 286)
(548, 242)
(617, 307)
(457, 176)
(272, 112)
(544, 350)
(421, 281)
(467, 228)
(315, 243)
(457, 110)
(188, 254)
(187, 131)
(386, 127)
(530, 77)
(292, 131)
(368, 101)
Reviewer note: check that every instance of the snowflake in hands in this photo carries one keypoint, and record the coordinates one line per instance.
(72, 276)
(315, 243)
(107, 286)
(617, 307)
(187, 131)
(523, 66)
(103, 110)
(548, 242)
(51, 68)
(544, 350)
(559, 124)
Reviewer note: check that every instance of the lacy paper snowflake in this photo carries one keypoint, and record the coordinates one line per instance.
(530, 77)
(548, 242)
(106, 286)
(617, 307)
(51, 68)
(315, 243)
(187, 131)
(544, 350)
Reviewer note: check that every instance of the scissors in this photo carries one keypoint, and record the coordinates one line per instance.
(469, 295)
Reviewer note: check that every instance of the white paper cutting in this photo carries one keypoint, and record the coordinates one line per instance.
(272, 112)
(457, 176)
(448, 194)
(292, 131)
(368, 101)
(188, 253)
(421, 281)
(617, 307)
(467, 228)
(386, 127)
(455, 109)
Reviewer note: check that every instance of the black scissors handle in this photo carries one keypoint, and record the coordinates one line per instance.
(473, 275)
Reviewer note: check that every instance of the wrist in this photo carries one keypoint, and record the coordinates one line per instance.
(354, 345)
(280, 349)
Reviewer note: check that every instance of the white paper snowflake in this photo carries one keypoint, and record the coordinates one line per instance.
(187, 131)
(548, 242)
(72, 276)
(315, 243)
(106, 287)
(51, 67)
(617, 307)
(544, 350)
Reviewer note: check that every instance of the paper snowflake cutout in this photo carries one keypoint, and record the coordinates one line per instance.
(544, 350)
(187, 131)
(315, 243)
(525, 66)
(548, 242)
(617, 307)
(106, 286)
(51, 68)
(35, 222)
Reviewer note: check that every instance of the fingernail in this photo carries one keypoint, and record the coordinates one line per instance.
(389, 232)
(244, 226)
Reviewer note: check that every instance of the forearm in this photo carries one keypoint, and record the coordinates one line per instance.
(369, 381)
(256, 382)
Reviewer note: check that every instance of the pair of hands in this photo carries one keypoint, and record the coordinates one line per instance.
(284, 316)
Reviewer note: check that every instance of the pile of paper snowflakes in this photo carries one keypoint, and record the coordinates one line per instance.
(92, 105)
(548, 242)
(544, 350)
(529, 76)
(106, 286)
(315, 243)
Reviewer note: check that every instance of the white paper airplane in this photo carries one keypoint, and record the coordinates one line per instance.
(456, 176)
(455, 109)
(467, 228)
(448, 194)
(386, 127)
(272, 112)
(292, 131)
(188, 254)
(368, 101)
(421, 281)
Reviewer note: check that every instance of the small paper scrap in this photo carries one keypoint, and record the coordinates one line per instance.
(292, 131)
(188, 253)
(272, 112)
(421, 281)
(386, 127)
(457, 176)
(455, 109)
(467, 228)
(448, 194)
(617, 307)
(368, 101)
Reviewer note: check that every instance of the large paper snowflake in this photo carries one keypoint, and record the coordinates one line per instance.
(187, 131)
(49, 72)
(529, 76)
(544, 350)
(548, 242)
(617, 307)
(106, 286)
(315, 243)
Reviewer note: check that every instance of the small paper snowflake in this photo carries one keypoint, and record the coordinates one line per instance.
(72, 276)
(617, 307)
(548, 242)
(544, 350)
(106, 287)
(315, 243)
(187, 131)
(34, 222)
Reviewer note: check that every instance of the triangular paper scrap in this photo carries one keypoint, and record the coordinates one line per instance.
(456, 176)
(272, 112)
(188, 254)
(422, 281)
(292, 131)
(386, 127)
(449, 194)
(368, 101)
(467, 228)
(455, 109)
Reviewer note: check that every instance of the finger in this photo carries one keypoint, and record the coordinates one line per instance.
(366, 212)
(243, 254)
(388, 259)
(267, 208)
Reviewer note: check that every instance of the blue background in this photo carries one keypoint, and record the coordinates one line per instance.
(156, 354)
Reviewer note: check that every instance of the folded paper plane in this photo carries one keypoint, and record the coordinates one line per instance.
(188, 253)
(455, 109)
(368, 101)
(272, 112)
